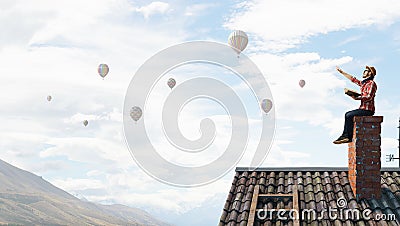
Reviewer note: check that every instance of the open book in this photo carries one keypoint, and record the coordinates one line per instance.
(351, 92)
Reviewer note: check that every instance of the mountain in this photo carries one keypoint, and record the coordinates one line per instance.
(27, 199)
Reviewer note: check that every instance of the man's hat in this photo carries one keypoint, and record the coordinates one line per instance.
(372, 69)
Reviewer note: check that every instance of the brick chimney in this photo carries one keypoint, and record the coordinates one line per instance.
(365, 157)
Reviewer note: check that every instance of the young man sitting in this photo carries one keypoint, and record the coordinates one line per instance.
(367, 107)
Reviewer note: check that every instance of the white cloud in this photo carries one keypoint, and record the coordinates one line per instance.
(175, 200)
(93, 173)
(71, 184)
(283, 73)
(389, 144)
(115, 115)
(63, 62)
(60, 47)
(349, 40)
(194, 10)
(279, 25)
(135, 188)
(89, 150)
(279, 155)
(153, 8)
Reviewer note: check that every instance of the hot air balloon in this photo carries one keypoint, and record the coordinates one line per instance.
(266, 105)
(103, 70)
(85, 122)
(48, 98)
(238, 40)
(302, 83)
(136, 113)
(171, 83)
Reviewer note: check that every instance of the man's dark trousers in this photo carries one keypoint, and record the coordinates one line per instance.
(349, 123)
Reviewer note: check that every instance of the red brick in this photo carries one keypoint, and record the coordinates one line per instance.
(352, 149)
(372, 161)
(371, 156)
(374, 125)
(358, 143)
(372, 142)
(372, 151)
(368, 125)
(373, 118)
(373, 167)
(368, 119)
(376, 182)
(370, 131)
(358, 119)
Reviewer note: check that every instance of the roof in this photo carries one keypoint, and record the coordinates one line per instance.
(318, 189)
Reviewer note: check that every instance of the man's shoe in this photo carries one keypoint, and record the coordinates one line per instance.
(342, 140)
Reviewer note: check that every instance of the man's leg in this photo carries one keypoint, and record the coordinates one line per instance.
(349, 124)
(344, 138)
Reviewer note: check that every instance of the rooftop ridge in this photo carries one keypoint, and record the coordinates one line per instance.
(297, 169)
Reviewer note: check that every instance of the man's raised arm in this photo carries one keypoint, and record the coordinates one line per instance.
(348, 76)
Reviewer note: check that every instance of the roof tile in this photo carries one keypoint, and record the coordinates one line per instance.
(317, 190)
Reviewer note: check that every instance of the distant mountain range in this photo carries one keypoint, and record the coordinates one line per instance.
(27, 199)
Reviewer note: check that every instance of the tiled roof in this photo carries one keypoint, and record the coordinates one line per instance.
(318, 189)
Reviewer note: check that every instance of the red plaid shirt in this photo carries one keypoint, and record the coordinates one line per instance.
(368, 90)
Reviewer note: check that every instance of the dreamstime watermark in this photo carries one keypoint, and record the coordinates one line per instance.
(205, 86)
(341, 213)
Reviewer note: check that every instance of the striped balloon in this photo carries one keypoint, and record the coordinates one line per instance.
(238, 40)
(136, 113)
(266, 105)
(302, 83)
(171, 83)
(103, 70)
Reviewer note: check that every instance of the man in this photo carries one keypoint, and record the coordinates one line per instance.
(367, 107)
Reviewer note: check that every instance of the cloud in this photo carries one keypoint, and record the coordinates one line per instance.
(71, 184)
(281, 25)
(281, 152)
(349, 40)
(153, 8)
(115, 115)
(88, 150)
(283, 73)
(196, 9)
(389, 144)
(133, 187)
(60, 47)
(61, 44)
(172, 200)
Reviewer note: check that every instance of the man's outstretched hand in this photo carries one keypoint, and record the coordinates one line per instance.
(348, 76)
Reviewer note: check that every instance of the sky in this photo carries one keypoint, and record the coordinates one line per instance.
(54, 47)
